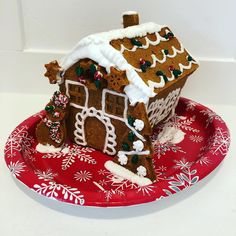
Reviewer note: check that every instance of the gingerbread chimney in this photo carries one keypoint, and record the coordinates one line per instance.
(130, 18)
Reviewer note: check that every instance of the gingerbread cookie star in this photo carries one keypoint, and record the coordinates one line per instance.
(116, 80)
(53, 69)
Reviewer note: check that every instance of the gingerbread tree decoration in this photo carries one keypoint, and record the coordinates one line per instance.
(53, 70)
(116, 80)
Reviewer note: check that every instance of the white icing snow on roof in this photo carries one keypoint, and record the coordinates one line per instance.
(128, 13)
(97, 47)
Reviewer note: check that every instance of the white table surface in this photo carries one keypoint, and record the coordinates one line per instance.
(208, 208)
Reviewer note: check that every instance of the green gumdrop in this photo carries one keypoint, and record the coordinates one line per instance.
(165, 78)
(166, 52)
(143, 68)
(125, 146)
(135, 159)
(49, 108)
(159, 73)
(93, 69)
(148, 63)
(176, 73)
(98, 84)
(79, 71)
(131, 136)
(136, 42)
(190, 58)
(131, 120)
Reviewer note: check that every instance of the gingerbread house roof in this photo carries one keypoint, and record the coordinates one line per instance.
(149, 53)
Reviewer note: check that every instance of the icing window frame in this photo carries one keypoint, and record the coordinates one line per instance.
(114, 104)
(77, 94)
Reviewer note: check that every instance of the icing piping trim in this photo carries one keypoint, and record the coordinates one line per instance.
(126, 174)
(161, 61)
(160, 108)
(148, 43)
(161, 84)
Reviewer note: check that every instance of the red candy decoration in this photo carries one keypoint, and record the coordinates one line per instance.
(98, 75)
(142, 61)
(171, 68)
(81, 80)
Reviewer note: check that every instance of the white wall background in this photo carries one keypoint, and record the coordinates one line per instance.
(34, 32)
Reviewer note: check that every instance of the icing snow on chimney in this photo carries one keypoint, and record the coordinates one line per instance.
(130, 18)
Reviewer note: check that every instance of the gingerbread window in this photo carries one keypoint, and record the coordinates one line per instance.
(77, 94)
(115, 104)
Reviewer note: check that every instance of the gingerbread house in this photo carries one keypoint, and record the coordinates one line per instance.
(116, 87)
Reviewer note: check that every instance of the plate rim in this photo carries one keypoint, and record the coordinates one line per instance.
(123, 203)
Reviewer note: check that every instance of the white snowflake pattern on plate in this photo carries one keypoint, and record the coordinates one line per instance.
(75, 153)
(83, 176)
(16, 168)
(46, 175)
(196, 138)
(52, 190)
(211, 116)
(20, 140)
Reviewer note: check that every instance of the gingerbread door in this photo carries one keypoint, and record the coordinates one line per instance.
(95, 133)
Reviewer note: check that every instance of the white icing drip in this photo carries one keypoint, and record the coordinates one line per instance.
(161, 108)
(147, 152)
(162, 83)
(126, 174)
(149, 42)
(50, 149)
(161, 61)
(171, 135)
(128, 13)
(97, 47)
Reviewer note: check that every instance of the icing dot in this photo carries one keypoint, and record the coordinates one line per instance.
(138, 145)
(141, 171)
(138, 124)
(166, 52)
(122, 158)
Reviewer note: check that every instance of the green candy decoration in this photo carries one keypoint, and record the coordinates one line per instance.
(135, 159)
(79, 71)
(165, 78)
(169, 35)
(49, 108)
(93, 69)
(125, 147)
(131, 120)
(148, 63)
(190, 58)
(136, 42)
(166, 51)
(97, 83)
(143, 68)
(131, 136)
(159, 73)
(177, 73)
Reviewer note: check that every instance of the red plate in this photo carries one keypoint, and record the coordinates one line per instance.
(79, 177)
